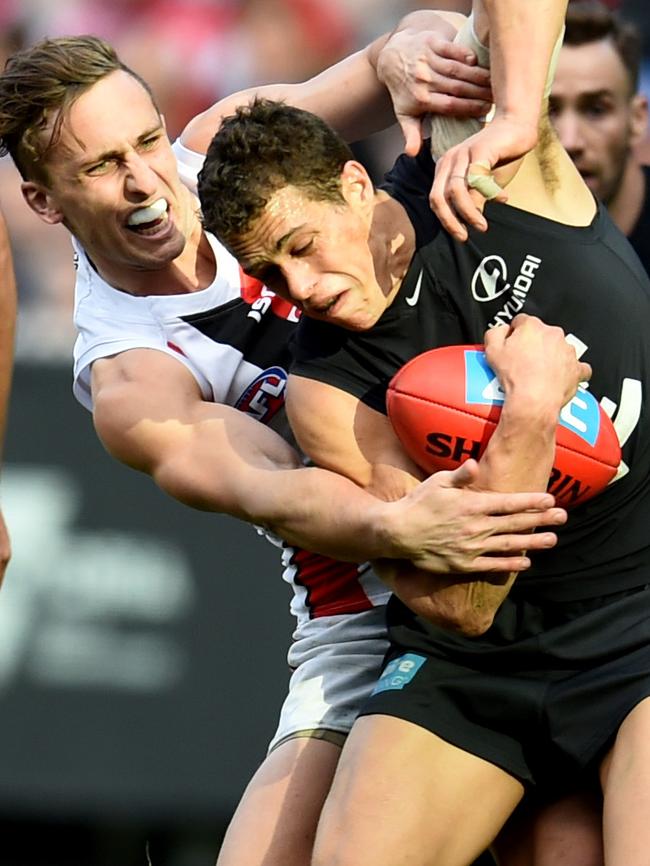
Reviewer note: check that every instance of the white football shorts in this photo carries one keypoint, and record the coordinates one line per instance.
(336, 661)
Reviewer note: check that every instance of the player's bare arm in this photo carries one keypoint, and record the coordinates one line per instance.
(521, 38)
(359, 441)
(216, 458)
(431, 74)
(541, 373)
(7, 328)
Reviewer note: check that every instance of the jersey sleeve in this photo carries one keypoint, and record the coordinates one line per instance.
(189, 164)
(97, 338)
(105, 329)
(337, 357)
(409, 182)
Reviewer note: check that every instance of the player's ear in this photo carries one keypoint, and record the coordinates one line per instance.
(638, 118)
(42, 202)
(356, 185)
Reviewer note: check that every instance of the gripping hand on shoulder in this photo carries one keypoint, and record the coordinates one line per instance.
(427, 73)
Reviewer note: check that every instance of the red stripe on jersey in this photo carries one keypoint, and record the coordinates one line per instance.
(252, 290)
(332, 587)
(175, 348)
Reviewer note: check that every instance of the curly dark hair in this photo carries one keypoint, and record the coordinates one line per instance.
(263, 147)
(591, 21)
(39, 84)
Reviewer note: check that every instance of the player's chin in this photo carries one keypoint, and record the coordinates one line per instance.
(154, 255)
(356, 320)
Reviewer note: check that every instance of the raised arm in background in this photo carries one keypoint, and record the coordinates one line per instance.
(431, 75)
(522, 38)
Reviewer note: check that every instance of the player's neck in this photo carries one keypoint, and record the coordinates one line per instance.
(392, 243)
(626, 205)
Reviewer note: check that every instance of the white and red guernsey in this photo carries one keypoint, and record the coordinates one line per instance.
(234, 338)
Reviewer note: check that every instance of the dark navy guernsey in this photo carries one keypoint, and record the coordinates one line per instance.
(589, 281)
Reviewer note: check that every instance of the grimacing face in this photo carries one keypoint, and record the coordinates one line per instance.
(113, 180)
(317, 255)
(597, 119)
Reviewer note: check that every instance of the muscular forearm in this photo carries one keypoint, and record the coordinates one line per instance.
(351, 96)
(521, 41)
(215, 458)
(439, 524)
(538, 372)
(519, 457)
(7, 328)
(308, 507)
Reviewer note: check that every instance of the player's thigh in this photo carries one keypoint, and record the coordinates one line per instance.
(567, 832)
(276, 819)
(625, 776)
(402, 795)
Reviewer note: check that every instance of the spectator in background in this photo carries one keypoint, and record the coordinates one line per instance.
(601, 117)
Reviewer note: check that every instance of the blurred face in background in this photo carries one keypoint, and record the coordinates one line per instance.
(596, 115)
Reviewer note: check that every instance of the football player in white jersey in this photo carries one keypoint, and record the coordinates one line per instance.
(147, 268)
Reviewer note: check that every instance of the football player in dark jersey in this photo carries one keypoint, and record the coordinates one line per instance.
(601, 117)
(549, 685)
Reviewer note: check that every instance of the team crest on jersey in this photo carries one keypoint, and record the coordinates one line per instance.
(264, 397)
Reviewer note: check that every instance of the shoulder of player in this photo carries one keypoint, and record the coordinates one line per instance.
(409, 182)
(138, 369)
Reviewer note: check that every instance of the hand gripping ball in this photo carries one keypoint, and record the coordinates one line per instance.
(445, 404)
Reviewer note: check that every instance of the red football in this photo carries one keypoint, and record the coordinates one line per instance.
(445, 404)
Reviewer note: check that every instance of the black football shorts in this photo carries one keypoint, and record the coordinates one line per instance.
(541, 694)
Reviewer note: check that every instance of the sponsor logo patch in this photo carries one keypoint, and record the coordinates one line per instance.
(399, 672)
(481, 385)
(580, 415)
(486, 277)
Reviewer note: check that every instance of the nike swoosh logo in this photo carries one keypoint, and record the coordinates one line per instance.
(413, 299)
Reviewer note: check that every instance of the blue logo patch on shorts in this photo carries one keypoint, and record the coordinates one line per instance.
(399, 672)
(481, 384)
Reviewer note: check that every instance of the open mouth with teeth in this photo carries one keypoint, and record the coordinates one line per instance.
(149, 219)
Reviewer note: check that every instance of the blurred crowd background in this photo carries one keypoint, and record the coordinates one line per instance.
(135, 695)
